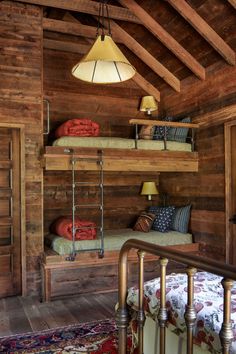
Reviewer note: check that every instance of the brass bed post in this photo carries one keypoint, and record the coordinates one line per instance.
(122, 313)
(141, 315)
(162, 315)
(226, 333)
(190, 313)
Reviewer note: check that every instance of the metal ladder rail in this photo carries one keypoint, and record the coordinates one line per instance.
(99, 161)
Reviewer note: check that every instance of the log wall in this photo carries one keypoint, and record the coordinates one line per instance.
(210, 103)
(21, 95)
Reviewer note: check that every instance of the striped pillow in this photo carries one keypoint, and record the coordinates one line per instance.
(180, 219)
(179, 134)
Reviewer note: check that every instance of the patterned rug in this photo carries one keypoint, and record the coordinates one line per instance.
(99, 337)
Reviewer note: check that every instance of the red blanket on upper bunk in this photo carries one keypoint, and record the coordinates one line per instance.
(85, 230)
(77, 127)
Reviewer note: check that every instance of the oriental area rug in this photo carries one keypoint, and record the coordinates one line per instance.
(99, 337)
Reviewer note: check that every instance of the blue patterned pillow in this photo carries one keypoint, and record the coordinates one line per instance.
(180, 219)
(163, 218)
(179, 134)
(160, 131)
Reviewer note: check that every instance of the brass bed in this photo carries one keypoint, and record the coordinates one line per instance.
(192, 263)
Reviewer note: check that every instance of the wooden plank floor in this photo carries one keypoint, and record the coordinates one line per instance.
(21, 315)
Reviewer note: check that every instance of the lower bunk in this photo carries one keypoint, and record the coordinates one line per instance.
(88, 273)
(188, 312)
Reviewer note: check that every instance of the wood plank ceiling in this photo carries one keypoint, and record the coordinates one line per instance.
(167, 41)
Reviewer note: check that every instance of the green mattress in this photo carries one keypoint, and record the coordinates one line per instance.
(119, 143)
(114, 239)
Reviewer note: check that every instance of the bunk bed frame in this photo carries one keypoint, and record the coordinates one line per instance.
(87, 159)
(59, 157)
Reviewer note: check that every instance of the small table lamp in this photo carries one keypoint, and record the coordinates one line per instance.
(149, 189)
(148, 104)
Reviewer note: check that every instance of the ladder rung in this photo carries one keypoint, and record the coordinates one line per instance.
(75, 159)
(89, 250)
(88, 206)
(88, 184)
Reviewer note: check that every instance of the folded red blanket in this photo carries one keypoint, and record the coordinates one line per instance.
(77, 127)
(86, 230)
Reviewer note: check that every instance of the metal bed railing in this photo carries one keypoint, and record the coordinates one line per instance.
(192, 262)
(165, 125)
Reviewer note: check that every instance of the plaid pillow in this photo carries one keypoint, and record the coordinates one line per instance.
(163, 218)
(144, 222)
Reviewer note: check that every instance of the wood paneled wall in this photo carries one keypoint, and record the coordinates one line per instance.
(210, 103)
(21, 95)
(203, 190)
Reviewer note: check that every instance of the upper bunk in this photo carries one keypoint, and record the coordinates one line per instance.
(139, 154)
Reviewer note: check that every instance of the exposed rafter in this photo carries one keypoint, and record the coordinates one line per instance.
(66, 46)
(73, 28)
(202, 27)
(146, 86)
(233, 3)
(145, 56)
(86, 6)
(158, 31)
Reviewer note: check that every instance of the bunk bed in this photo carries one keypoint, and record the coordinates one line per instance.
(63, 253)
(126, 154)
(177, 313)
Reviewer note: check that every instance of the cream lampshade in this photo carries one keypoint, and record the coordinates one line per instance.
(149, 189)
(148, 104)
(104, 63)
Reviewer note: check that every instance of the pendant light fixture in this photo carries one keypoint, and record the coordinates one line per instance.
(104, 63)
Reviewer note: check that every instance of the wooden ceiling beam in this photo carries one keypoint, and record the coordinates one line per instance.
(86, 6)
(63, 46)
(145, 56)
(146, 86)
(158, 31)
(233, 3)
(202, 27)
(73, 28)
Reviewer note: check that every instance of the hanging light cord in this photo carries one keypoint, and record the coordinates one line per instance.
(101, 19)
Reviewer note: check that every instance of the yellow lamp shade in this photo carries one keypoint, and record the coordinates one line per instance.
(104, 63)
(149, 189)
(148, 104)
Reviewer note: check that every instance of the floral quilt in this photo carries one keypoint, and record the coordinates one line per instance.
(208, 303)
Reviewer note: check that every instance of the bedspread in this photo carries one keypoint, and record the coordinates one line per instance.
(208, 303)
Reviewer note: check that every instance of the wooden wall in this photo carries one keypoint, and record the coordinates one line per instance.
(21, 94)
(210, 103)
(111, 106)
